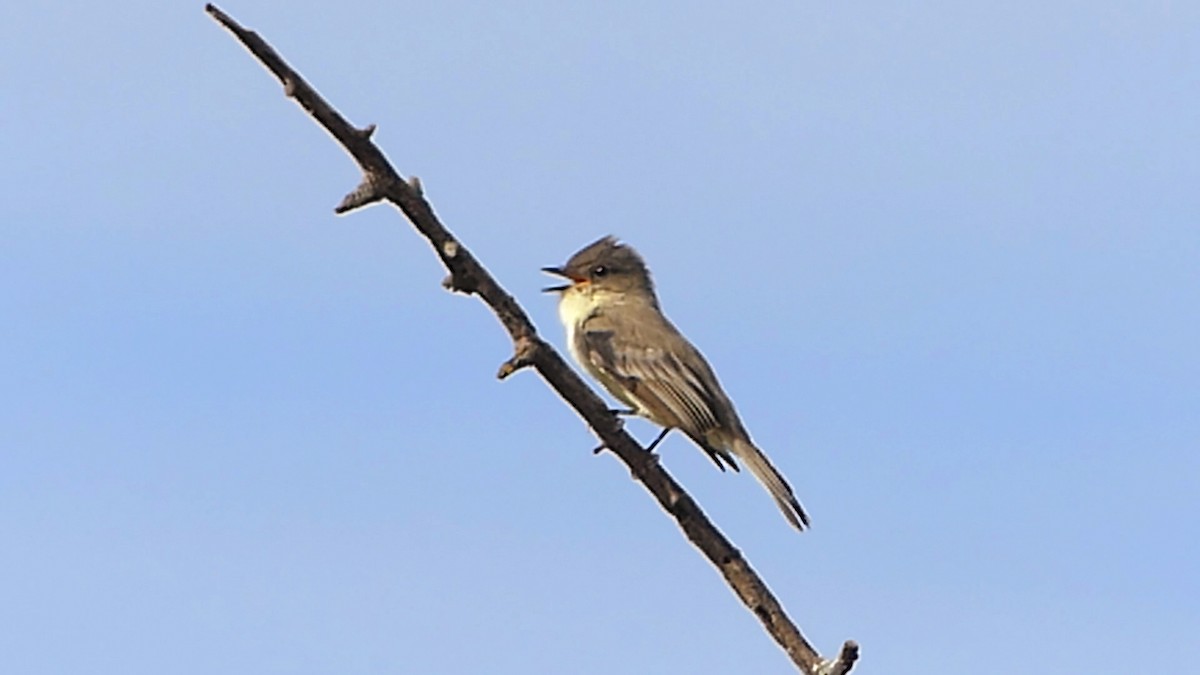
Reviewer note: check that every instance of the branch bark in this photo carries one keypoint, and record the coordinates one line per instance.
(381, 182)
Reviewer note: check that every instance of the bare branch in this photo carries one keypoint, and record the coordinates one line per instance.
(381, 182)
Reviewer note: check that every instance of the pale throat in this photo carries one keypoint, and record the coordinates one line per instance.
(580, 301)
(576, 305)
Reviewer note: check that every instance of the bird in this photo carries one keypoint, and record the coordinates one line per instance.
(617, 332)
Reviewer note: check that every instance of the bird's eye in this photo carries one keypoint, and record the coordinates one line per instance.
(600, 270)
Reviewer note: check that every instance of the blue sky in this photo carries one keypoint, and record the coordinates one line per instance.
(944, 257)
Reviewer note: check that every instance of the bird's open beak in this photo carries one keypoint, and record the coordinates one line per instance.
(557, 271)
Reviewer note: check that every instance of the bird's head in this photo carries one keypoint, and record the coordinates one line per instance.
(604, 265)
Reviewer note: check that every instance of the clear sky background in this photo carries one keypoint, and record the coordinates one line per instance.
(945, 257)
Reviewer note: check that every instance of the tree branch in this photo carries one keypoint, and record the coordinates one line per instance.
(381, 182)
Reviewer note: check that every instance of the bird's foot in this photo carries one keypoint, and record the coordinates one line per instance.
(620, 424)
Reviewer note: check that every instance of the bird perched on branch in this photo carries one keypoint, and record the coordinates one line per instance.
(617, 332)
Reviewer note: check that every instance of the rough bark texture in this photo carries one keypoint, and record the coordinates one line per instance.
(467, 275)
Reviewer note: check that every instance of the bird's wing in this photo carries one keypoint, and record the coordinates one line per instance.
(672, 393)
(657, 382)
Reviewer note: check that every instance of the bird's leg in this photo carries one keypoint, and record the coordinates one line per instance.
(654, 444)
(652, 458)
(623, 412)
(621, 423)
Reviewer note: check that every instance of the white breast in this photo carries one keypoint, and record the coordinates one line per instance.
(573, 307)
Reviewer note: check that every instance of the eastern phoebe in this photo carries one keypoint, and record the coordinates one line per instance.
(617, 333)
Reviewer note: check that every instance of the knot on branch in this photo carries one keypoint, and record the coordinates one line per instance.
(525, 352)
(842, 664)
(370, 190)
(461, 278)
(733, 557)
(457, 282)
(764, 615)
(647, 463)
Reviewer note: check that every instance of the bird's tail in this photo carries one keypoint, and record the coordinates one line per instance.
(773, 481)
